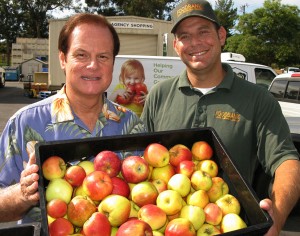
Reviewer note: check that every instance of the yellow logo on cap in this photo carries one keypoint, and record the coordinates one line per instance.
(189, 7)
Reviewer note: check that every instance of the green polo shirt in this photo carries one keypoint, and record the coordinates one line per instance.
(247, 118)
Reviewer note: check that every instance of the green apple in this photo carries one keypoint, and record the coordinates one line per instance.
(208, 166)
(194, 214)
(116, 208)
(201, 180)
(207, 230)
(231, 222)
(198, 198)
(156, 155)
(88, 166)
(169, 201)
(59, 188)
(218, 189)
(180, 183)
(229, 204)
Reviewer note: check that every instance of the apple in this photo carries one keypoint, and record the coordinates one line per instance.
(97, 224)
(97, 185)
(179, 227)
(160, 185)
(169, 201)
(153, 215)
(75, 175)
(157, 233)
(201, 150)
(208, 166)
(179, 153)
(56, 208)
(164, 173)
(123, 99)
(207, 230)
(156, 155)
(109, 162)
(229, 204)
(54, 167)
(194, 214)
(80, 209)
(135, 227)
(116, 208)
(61, 227)
(130, 89)
(213, 214)
(59, 188)
(144, 193)
(219, 188)
(186, 167)
(231, 222)
(120, 187)
(201, 180)
(140, 89)
(198, 198)
(114, 231)
(180, 183)
(88, 166)
(134, 210)
(135, 169)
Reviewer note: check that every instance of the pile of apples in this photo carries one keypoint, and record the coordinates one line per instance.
(169, 192)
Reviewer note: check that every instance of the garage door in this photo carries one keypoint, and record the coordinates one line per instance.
(138, 44)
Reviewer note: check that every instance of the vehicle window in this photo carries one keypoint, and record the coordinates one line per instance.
(293, 90)
(264, 77)
(278, 88)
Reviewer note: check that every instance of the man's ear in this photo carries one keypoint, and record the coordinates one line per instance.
(175, 44)
(222, 35)
(62, 60)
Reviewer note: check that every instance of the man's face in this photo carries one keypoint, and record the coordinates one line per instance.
(88, 64)
(198, 43)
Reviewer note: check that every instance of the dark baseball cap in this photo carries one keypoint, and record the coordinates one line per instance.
(190, 8)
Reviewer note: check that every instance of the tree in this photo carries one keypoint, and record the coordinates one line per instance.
(226, 14)
(273, 33)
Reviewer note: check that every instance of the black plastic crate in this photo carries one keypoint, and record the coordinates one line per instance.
(23, 229)
(257, 220)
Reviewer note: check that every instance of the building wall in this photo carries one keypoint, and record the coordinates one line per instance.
(28, 68)
(138, 36)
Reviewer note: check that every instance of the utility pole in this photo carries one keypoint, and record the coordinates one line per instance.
(243, 8)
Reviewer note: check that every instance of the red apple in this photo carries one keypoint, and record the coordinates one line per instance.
(153, 215)
(130, 89)
(120, 187)
(186, 167)
(135, 169)
(60, 227)
(140, 89)
(97, 185)
(109, 162)
(75, 175)
(157, 155)
(179, 153)
(54, 167)
(80, 209)
(96, 225)
(201, 150)
(144, 193)
(160, 185)
(123, 99)
(135, 227)
(57, 208)
(218, 189)
(179, 227)
(213, 214)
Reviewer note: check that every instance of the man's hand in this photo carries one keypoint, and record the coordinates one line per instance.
(266, 204)
(29, 182)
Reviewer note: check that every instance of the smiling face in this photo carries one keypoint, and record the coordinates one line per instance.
(88, 64)
(198, 43)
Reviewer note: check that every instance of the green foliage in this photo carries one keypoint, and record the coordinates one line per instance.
(272, 35)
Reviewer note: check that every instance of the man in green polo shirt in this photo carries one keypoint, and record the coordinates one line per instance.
(246, 117)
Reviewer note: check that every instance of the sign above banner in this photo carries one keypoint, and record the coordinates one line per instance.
(132, 25)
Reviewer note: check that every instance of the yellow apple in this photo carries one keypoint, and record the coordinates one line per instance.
(218, 189)
(194, 214)
(231, 222)
(201, 180)
(88, 166)
(180, 183)
(198, 198)
(153, 215)
(144, 193)
(160, 185)
(229, 204)
(133, 210)
(116, 208)
(169, 201)
(207, 230)
(208, 166)
(164, 173)
(157, 233)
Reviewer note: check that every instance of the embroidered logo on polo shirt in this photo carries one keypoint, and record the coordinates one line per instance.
(189, 7)
(225, 115)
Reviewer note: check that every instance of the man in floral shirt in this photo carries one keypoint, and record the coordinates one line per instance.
(87, 47)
